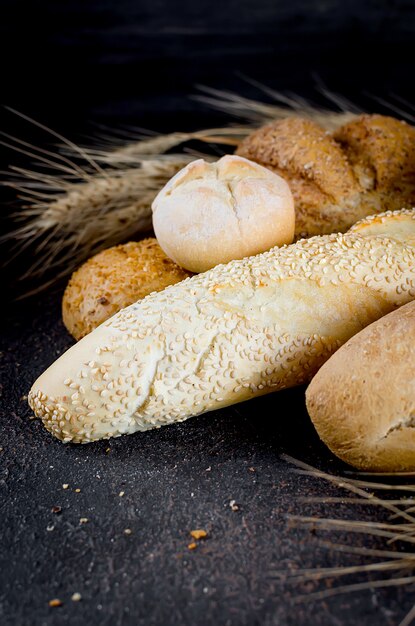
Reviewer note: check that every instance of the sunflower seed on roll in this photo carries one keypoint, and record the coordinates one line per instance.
(114, 279)
(364, 167)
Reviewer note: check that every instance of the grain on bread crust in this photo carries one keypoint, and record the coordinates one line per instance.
(364, 167)
(362, 401)
(114, 279)
(238, 331)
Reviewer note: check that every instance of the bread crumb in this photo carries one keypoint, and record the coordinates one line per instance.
(127, 531)
(77, 490)
(55, 602)
(107, 450)
(65, 486)
(198, 534)
(192, 545)
(75, 597)
(83, 520)
(121, 494)
(233, 505)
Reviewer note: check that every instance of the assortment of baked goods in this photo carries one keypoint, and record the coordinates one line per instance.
(211, 213)
(235, 332)
(250, 325)
(114, 279)
(362, 401)
(364, 167)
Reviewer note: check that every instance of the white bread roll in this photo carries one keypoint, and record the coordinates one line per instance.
(362, 401)
(211, 213)
(238, 331)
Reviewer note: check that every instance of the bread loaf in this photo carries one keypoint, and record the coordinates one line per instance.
(362, 401)
(211, 213)
(364, 167)
(113, 279)
(238, 331)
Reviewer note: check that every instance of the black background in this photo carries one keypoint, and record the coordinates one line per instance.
(72, 65)
(72, 62)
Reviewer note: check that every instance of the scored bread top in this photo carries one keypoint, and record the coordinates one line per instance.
(211, 213)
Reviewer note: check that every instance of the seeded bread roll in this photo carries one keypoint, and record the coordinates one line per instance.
(114, 279)
(238, 331)
(211, 213)
(364, 167)
(362, 401)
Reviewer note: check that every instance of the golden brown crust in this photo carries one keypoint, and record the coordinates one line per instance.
(362, 401)
(114, 279)
(238, 331)
(381, 147)
(366, 166)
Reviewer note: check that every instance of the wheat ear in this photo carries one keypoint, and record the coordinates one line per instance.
(68, 221)
(398, 565)
(92, 197)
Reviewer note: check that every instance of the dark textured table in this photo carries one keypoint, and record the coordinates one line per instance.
(132, 62)
(141, 496)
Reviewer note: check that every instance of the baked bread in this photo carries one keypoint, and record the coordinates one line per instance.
(211, 213)
(364, 167)
(362, 401)
(113, 279)
(238, 331)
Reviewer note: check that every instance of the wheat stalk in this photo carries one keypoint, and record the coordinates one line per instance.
(77, 219)
(281, 106)
(399, 565)
(133, 152)
(92, 197)
(253, 112)
(83, 199)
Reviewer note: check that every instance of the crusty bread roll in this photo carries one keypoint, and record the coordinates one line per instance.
(364, 167)
(362, 401)
(211, 213)
(114, 279)
(235, 332)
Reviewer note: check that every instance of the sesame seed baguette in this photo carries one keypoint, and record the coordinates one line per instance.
(235, 332)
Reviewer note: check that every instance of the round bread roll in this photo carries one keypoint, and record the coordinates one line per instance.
(362, 401)
(364, 167)
(212, 213)
(114, 279)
